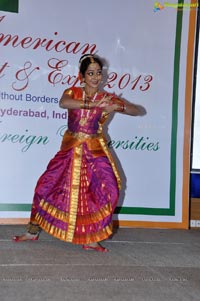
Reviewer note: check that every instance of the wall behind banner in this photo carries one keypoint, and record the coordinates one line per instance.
(146, 63)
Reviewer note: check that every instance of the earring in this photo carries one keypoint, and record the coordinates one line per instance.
(82, 83)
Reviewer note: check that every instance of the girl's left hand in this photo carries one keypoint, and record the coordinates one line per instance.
(105, 101)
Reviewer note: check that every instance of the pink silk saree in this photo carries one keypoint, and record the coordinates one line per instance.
(76, 196)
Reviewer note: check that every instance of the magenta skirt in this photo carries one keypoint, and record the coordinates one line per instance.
(76, 196)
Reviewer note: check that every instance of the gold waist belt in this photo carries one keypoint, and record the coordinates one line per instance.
(81, 135)
(73, 139)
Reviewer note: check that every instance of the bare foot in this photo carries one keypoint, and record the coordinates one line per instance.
(96, 247)
(25, 237)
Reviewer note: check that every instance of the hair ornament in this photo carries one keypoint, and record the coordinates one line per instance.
(85, 57)
(92, 61)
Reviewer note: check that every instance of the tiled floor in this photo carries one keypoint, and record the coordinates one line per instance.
(142, 265)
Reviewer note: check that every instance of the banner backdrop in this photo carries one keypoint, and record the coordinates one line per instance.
(144, 45)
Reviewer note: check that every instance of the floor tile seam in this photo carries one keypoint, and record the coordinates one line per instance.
(122, 242)
(108, 277)
(152, 267)
(176, 280)
(161, 274)
(94, 279)
(145, 242)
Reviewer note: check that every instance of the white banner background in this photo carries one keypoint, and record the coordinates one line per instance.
(139, 47)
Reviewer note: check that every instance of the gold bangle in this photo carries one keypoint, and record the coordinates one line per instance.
(121, 108)
(124, 107)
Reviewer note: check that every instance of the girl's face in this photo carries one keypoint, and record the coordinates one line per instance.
(93, 76)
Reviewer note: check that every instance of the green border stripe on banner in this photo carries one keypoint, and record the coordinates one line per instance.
(15, 207)
(175, 109)
(173, 152)
(9, 5)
